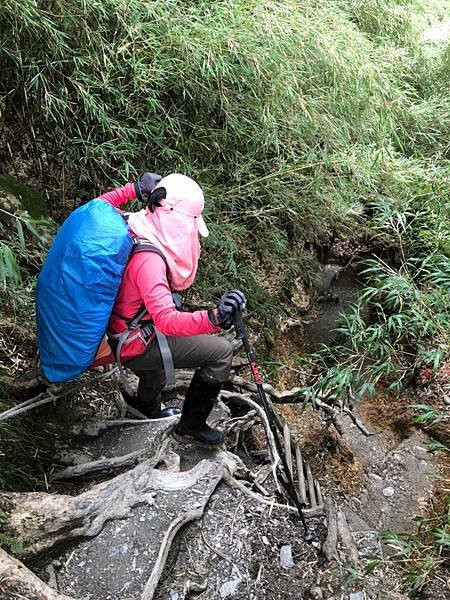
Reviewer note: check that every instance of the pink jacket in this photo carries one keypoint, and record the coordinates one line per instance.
(145, 282)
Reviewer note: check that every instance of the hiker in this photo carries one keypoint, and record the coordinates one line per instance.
(171, 221)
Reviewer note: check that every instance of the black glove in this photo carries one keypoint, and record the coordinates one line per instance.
(145, 184)
(229, 303)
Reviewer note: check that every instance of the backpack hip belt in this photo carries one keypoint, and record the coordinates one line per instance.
(118, 340)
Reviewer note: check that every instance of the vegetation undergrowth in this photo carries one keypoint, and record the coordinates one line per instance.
(293, 117)
(24, 446)
(425, 554)
(401, 322)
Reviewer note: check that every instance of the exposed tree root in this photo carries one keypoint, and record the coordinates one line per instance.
(329, 547)
(41, 520)
(16, 582)
(339, 531)
(102, 465)
(93, 427)
(350, 551)
(54, 393)
(154, 450)
(292, 395)
(211, 474)
(275, 458)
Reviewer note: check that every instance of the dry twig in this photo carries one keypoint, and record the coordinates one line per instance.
(48, 396)
(275, 459)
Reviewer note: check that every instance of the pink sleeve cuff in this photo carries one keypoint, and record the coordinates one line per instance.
(120, 195)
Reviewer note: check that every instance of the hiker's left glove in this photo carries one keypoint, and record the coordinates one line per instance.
(230, 303)
(145, 184)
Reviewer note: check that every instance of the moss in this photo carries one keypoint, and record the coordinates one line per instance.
(29, 198)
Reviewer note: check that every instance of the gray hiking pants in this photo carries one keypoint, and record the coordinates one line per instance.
(211, 353)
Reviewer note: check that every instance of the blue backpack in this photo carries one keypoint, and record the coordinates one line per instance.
(77, 287)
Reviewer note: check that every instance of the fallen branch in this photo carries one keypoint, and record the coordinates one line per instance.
(307, 512)
(280, 397)
(345, 535)
(295, 395)
(49, 396)
(359, 424)
(329, 547)
(334, 414)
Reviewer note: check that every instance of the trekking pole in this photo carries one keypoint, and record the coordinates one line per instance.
(286, 478)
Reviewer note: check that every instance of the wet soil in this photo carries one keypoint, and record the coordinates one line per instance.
(336, 289)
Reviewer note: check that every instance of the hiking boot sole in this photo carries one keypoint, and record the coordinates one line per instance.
(188, 439)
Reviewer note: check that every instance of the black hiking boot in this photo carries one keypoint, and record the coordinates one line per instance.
(150, 410)
(208, 437)
(198, 404)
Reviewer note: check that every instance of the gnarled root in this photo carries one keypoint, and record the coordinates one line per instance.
(40, 520)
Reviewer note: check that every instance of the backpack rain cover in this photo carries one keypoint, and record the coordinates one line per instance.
(77, 287)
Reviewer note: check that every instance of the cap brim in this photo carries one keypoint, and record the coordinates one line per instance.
(202, 229)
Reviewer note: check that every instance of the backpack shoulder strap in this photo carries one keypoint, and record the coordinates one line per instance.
(140, 245)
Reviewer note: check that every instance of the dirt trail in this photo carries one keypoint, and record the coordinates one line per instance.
(234, 546)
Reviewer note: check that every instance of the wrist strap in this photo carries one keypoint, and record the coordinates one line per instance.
(213, 318)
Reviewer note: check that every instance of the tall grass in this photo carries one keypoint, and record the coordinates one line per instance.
(401, 322)
(293, 116)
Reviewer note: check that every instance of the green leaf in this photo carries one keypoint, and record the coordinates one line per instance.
(20, 234)
(29, 225)
(442, 537)
(371, 564)
(437, 446)
(11, 265)
(427, 414)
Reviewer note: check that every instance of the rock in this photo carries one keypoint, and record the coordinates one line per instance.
(265, 541)
(388, 492)
(375, 477)
(300, 297)
(195, 587)
(420, 453)
(356, 596)
(286, 561)
(229, 588)
(174, 595)
(315, 593)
